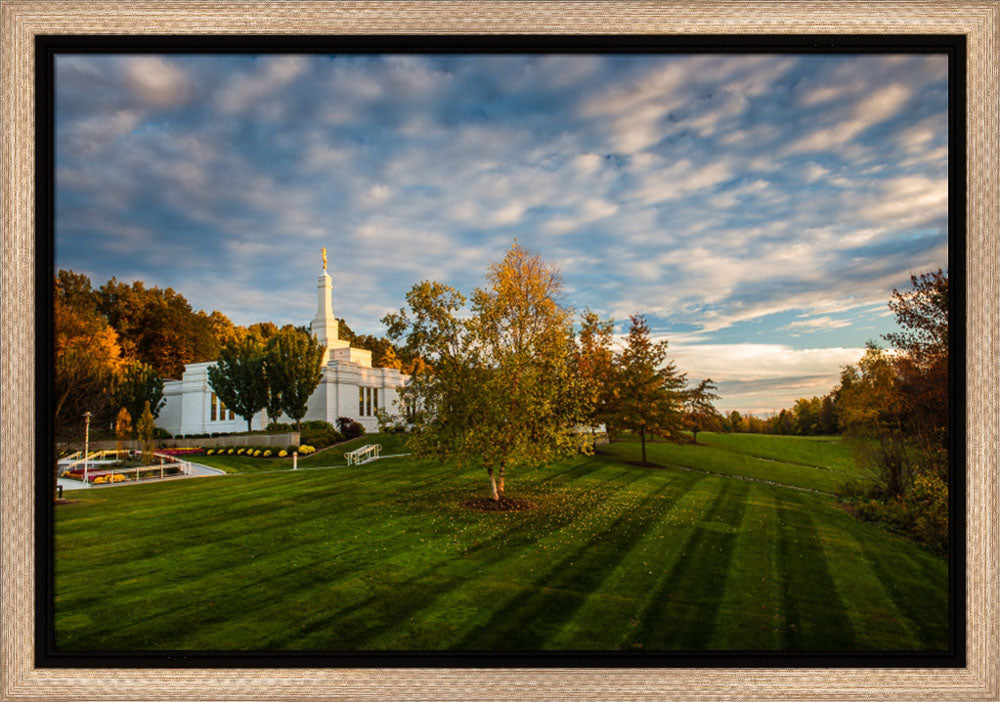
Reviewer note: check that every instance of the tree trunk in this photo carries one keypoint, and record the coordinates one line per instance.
(695, 439)
(250, 424)
(493, 483)
(502, 470)
(642, 437)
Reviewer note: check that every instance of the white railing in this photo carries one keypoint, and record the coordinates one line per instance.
(363, 454)
(161, 469)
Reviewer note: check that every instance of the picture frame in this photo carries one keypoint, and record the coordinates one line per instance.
(22, 21)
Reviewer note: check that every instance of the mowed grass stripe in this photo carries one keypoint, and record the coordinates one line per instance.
(682, 615)
(750, 615)
(611, 609)
(815, 617)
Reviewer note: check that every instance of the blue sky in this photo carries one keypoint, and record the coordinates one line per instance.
(759, 209)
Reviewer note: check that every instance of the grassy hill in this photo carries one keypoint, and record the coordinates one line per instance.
(384, 556)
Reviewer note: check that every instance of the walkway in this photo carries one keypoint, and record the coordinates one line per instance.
(197, 471)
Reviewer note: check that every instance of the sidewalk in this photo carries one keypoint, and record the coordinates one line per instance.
(197, 471)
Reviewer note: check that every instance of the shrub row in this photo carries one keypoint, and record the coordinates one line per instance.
(261, 451)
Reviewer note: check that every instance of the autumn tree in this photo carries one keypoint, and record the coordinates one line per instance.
(123, 429)
(293, 367)
(88, 356)
(651, 390)
(498, 390)
(157, 326)
(595, 371)
(144, 430)
(897, 401)
(238, 378)
(699, 409)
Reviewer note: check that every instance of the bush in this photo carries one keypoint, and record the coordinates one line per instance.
(257, 453)
(230, 452)
(305, 450)
(279, 428)
(349, 428)
(320, 434)
(282, 453)
(159, 433)
(292, 449)
(922, 514)
(267, 453)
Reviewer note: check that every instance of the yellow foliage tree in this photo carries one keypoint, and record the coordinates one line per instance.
(123, 428)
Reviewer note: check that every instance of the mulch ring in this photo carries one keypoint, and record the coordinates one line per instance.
(504, 504)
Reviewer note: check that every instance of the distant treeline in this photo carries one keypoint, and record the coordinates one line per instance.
(815, 416)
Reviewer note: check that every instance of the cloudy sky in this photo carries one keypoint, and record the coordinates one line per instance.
(757, 209)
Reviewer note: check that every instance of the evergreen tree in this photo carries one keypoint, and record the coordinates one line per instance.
(699, 412)
(651, 390)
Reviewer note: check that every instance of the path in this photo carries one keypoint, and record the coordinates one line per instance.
(197, 471)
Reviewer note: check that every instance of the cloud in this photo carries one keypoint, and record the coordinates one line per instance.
(819, 323)
(273, 74)
(157, 81)
(876, 108)
(747, 372)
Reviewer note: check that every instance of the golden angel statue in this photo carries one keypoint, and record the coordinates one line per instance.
(324, 258)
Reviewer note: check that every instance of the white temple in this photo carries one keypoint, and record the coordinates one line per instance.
(350, 387)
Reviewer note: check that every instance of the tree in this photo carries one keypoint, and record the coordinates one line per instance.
(897, 403)
(651, 390)
(921, 366)
(498, 389)
(144, 430)
(123, 429)
(88, 356)
(383, 352)
(294, 368)
(699, 412)
(736, 421)
(139, 383)
(158, 326)
(595, 371)
(239, 380)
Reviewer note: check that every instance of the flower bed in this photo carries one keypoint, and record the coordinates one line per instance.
(180, 451)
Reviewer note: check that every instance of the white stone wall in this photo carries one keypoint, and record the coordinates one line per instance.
(188, 401)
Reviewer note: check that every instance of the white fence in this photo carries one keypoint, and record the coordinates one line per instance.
(100, 470)
(363, 454)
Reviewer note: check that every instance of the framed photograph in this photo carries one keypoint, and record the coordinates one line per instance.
(407, 350)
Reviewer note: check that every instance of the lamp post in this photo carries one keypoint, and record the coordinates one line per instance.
(86, 446)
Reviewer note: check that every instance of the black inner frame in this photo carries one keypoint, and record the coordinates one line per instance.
(47, 47)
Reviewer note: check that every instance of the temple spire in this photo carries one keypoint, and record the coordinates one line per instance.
(324, 325)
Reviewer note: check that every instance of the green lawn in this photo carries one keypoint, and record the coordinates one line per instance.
(332, 456)
(384, 556)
